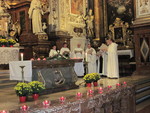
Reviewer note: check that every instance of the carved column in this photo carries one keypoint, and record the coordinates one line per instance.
(97, 18)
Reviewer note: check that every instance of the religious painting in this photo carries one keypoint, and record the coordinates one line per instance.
(77, 7)
(118, 33)
(142, 8)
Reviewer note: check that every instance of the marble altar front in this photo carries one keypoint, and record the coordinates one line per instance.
(8, 54)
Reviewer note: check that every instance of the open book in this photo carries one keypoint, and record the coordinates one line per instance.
(103, 46)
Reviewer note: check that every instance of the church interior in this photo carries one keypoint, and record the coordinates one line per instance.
(74, 56)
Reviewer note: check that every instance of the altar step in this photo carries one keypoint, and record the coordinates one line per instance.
(4, 80)
(142, 94)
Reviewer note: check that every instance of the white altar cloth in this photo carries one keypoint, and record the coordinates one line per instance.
(15, 70)
(8, 54)
(79, 68)
(126, 52)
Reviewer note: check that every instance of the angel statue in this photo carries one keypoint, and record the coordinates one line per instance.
(89, 21)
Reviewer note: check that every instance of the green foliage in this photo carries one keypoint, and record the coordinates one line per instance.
(36, 87)
(11, 41)
(23, 89)
(92, 77)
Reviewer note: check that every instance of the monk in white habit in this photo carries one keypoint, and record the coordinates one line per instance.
(78, 53)
(112, 63)
(53, 51)
(65, 51)
(91, 59)
(35, 12)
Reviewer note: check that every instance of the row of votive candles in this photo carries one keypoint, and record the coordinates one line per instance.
(62, 99)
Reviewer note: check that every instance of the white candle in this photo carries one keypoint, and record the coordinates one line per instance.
(21, 56)
(86, 57)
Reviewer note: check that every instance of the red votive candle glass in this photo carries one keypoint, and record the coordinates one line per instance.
(118, 84)
(46, 102)
(44, 58)
(124, 83)
(90, 92)
(62, 99)
(25, 108)
(109, 86)
(79, 95)
(38, 59)
(3, 111)
(32, 59)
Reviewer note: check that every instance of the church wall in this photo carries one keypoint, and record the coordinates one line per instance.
(66, 16)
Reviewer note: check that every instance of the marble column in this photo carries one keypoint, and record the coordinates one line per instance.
(97, 19)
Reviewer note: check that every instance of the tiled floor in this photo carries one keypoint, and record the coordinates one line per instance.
(9, 100)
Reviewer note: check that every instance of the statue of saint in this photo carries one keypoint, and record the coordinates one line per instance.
(35, 13)
(89, 21)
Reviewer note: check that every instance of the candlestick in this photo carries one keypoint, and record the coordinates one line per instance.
(21, 56)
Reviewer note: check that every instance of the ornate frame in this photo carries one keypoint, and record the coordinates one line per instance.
(119, 26)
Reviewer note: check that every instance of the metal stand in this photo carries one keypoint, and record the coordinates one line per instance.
(22, 71)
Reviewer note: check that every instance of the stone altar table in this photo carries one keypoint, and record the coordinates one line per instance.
(55, 74)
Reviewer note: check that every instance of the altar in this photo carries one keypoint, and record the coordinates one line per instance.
(8, 54)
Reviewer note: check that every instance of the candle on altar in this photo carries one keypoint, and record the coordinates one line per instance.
(21, 56)
(79, 94)
(86, 57)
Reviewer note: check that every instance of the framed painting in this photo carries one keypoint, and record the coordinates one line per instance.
(142, 8)
(77, 7)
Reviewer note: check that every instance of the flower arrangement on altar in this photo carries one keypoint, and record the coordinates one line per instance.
(92, 77)
(3, 41)
(11, 41)
(37, 87)
(23, 89)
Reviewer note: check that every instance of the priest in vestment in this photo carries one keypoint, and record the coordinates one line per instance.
(91, 59)
(65, 51)
(78, 53)
(53, 51)
(112, 65)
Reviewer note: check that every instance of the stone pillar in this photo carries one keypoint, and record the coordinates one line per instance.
(97, 19)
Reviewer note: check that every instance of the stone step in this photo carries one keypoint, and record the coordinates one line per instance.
(7, 85)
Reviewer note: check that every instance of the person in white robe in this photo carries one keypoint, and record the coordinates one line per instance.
(78, 53)
(65, 50)
(104, 55)
(91, 59)
(112, 65)
(53, 51)
(35, 12)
